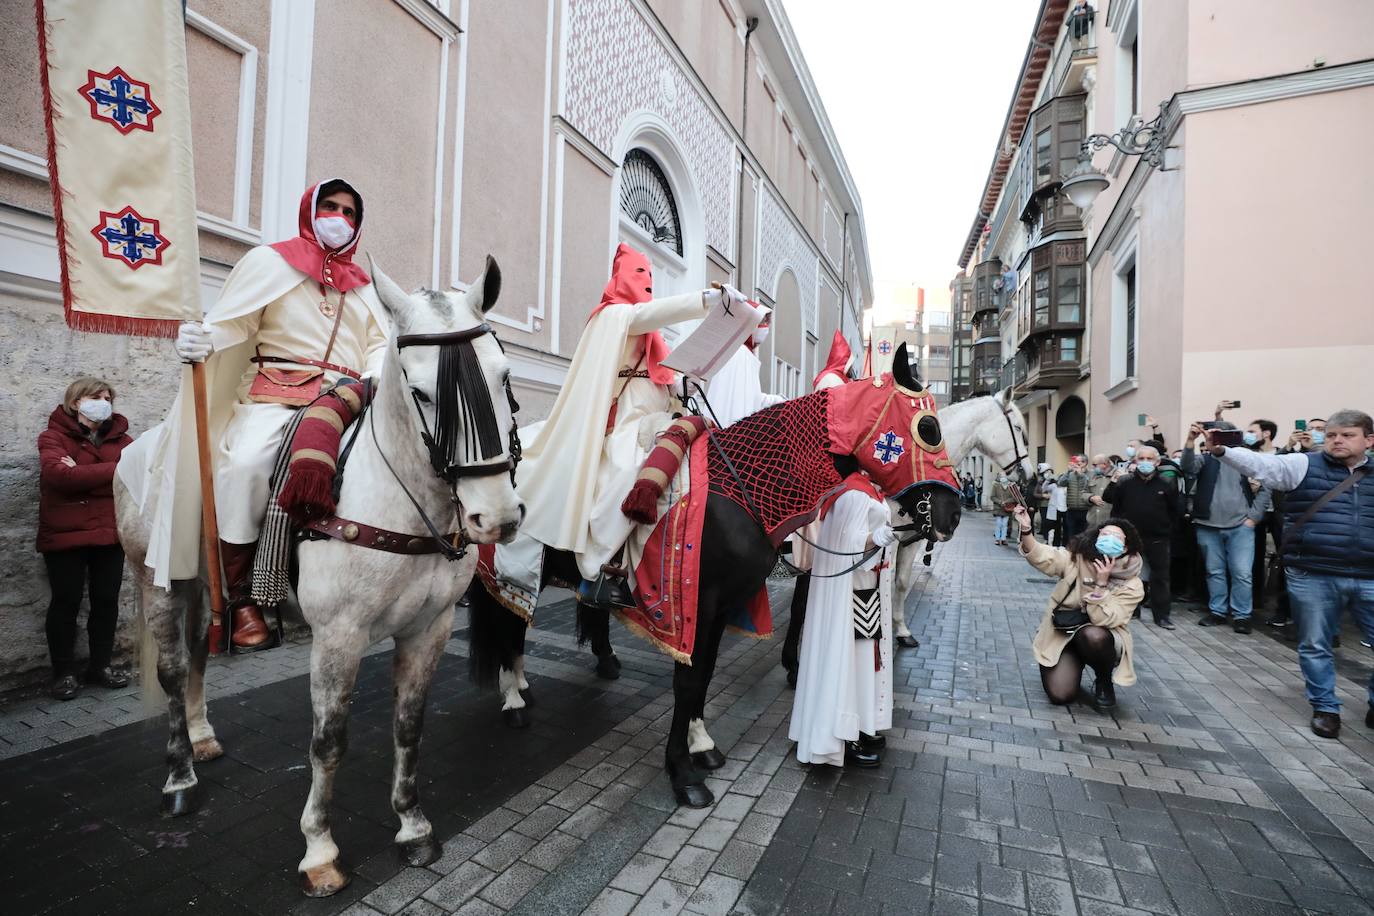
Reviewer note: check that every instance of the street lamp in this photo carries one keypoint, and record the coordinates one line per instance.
(1137, 138)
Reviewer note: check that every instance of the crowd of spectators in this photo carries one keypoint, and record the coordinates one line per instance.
(1234, 521)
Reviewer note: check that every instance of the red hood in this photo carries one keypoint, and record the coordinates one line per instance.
(837, 361)
(632, 281)
(61, 421)
(306, 254)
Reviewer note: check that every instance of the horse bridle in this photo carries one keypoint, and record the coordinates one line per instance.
(446, 471)
(1021, 456)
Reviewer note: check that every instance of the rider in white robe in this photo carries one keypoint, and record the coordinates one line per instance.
(279, 300)
(844, 684)
(617, 398)
(735, 391)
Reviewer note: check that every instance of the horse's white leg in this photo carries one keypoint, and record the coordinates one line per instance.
(204, 745)
(164, 614)
(697, 738)
(334, 658)
(509, 683)
(520, 682)
(415, 659)
(904, 579)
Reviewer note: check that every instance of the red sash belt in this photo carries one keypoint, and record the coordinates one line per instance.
(302, 361)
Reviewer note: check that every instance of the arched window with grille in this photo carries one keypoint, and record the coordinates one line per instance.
(646, 199)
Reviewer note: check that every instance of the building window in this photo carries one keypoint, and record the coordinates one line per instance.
(1128, 62)
(1130, 322)
(1069, 296)
(938, 352)
(1042, 298)
(786, 379)
(1044, 158)
(647, 200)
(938, 387)
(1068, 349)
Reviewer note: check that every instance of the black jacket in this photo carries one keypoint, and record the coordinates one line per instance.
(1151, 505)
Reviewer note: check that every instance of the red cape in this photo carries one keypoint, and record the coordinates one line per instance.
(306, 254)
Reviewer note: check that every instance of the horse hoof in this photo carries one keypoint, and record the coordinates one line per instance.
(206, 749)
(179, 802)
(711, 759)
(515, 718)
(324, 880)
(908, 642)
(695, 796)
(607, 667)
(528, 696)
(419, 852)
(792, 678)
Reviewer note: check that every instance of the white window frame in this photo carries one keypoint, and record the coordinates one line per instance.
(1128, 33)
(1122, 263)
(787, 379)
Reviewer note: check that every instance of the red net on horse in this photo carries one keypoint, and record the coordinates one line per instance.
(782, 455)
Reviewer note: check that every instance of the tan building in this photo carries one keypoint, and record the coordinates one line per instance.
(1206, 275)
(904, 319)
(543, 133)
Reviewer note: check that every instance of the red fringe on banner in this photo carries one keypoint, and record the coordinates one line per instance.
(77, 320)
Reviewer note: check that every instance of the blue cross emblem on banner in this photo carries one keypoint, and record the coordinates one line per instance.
(888, 448)
(130, 237)
(119, 99)
(884, 347)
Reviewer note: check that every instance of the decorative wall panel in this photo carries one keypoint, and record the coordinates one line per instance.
(781, 245)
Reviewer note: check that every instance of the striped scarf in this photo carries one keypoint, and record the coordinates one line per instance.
(302, 483)
(641, 504)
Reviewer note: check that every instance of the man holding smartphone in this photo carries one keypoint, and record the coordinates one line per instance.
(1226, 509)
(1328, 547)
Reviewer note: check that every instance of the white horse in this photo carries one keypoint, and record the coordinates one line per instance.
(425, 458)
(990, 426)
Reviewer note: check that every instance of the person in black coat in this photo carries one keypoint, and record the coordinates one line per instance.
(1152, 505)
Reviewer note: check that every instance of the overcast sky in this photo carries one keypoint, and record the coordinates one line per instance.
(916, 91)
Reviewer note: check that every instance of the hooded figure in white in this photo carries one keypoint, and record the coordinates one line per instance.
(300, 303)
(735, 391)
(844, 682)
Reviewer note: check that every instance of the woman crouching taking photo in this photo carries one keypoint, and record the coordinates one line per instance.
(1086, 619)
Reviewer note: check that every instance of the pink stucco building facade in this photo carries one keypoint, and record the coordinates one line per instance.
(1231, 271)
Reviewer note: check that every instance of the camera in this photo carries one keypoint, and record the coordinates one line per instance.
(1228, 437)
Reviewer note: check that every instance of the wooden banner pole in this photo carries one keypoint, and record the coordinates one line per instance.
(209, 521)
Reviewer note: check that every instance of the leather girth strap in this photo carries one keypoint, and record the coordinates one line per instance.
(374, 538)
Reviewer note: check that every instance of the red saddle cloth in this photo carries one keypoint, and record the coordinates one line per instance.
(666, 581)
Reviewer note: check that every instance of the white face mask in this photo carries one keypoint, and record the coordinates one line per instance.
(95, 410)
(334, 232)
(760, 335)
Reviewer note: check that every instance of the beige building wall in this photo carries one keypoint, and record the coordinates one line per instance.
(1238, 246)
(471, 129)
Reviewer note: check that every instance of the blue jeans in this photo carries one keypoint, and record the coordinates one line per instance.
(1001, 532)
(1228, 550)
(1318, 602)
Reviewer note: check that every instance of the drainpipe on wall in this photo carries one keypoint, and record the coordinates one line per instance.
(844, 273)
(749, 25)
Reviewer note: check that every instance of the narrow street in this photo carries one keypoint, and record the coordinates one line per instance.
(1204, 793)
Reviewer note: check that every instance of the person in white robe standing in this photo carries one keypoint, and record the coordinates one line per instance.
(736, 391)
(844, 683)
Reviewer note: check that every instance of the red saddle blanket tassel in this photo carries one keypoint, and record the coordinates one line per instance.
(641, 503)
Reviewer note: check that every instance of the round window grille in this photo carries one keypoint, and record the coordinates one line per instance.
(647, 200)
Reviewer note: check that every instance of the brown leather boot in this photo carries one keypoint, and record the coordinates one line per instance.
(249, 631)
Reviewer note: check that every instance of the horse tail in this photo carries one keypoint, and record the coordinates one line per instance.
(495, 635)
(154, 699)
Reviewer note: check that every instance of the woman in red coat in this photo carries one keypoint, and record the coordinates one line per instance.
(76, 529)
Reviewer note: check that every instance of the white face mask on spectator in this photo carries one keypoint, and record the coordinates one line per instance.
(96, 410)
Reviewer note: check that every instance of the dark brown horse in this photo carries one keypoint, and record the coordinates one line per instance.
(736, 558)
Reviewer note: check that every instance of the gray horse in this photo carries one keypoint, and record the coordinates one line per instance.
(355, 597)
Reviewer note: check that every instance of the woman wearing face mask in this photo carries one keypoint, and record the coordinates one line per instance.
(76, 530)
(1088, 612)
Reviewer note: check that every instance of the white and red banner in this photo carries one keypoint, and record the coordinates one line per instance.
(117, 100)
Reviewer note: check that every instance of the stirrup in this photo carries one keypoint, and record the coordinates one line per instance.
(608, 591)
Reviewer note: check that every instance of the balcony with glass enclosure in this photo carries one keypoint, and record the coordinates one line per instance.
(1053, 138)
(1051, 312)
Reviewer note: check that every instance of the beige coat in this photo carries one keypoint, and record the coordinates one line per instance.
(1112, 610)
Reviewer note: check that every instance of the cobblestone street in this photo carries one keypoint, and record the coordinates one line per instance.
(1204, 793)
